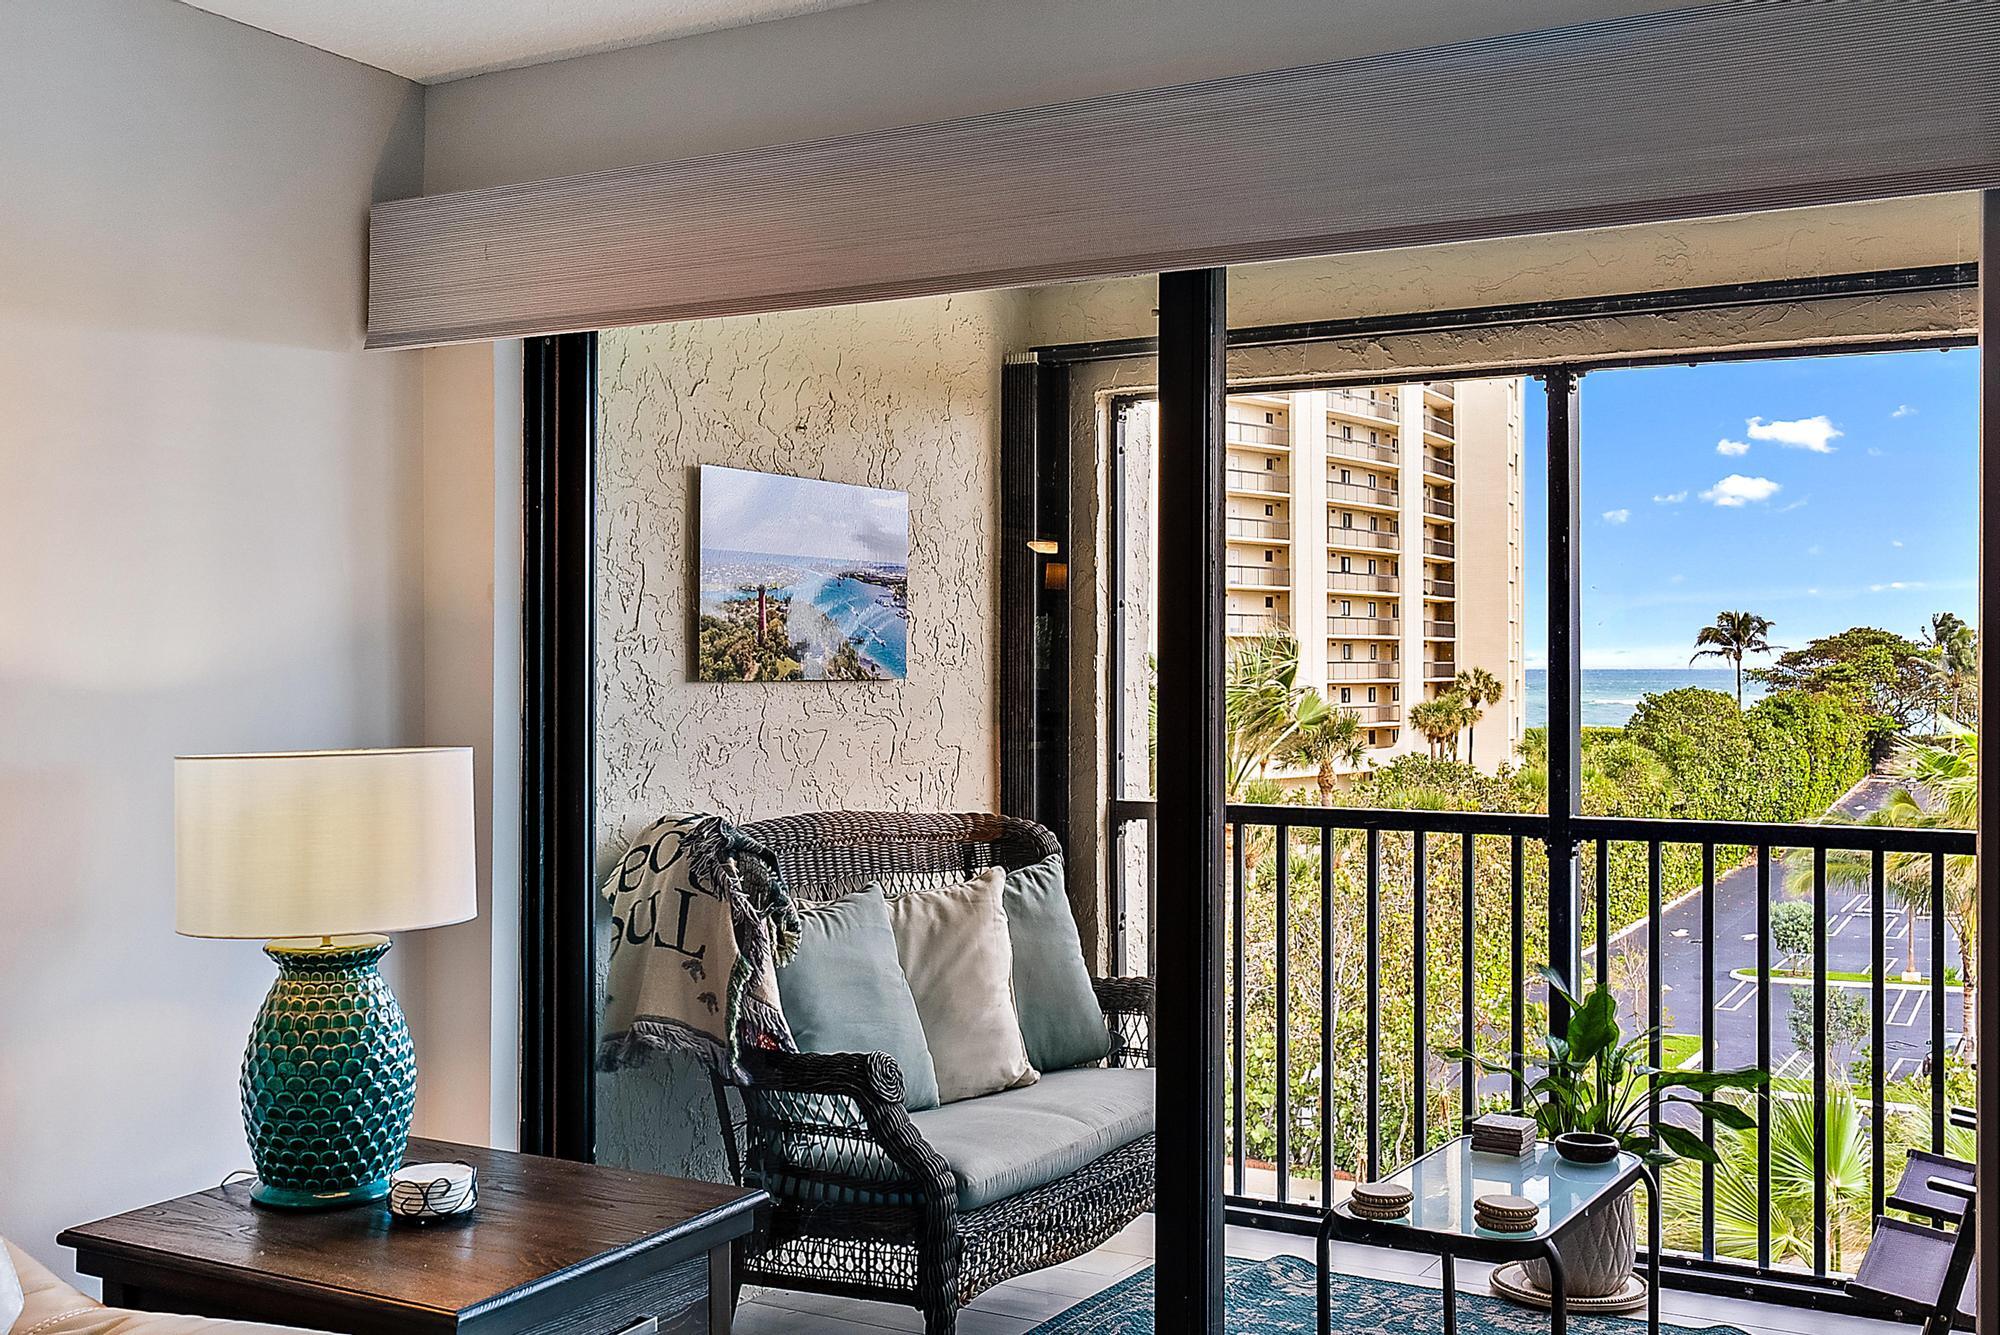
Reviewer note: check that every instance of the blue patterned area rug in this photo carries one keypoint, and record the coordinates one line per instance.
(1279, 1295)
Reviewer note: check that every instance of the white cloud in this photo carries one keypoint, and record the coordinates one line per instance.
(1616, 516)
(1874, 453)
(1731, 448)
(1671, 497)
(1895, 542)
(1737, 490)
(1896, 585)
(1815, 550)
(1904, 410)
(1804, 433)
(1798, 504)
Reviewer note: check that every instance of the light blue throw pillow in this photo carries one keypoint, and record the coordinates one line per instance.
(1060, 1018)
(844, 991)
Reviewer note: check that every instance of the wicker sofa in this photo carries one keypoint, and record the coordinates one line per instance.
(866, 1205)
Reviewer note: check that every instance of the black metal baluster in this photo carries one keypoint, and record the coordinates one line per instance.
(1371, 910)
(1764, 1054)
(1519, 911)
(1237, 956)
(1878, 1038)
(1820, 1058)
(1655, 969)
(1938, 998)
(1708, 1040)
(1283, 1018)
(1468, 1095)
(1326, 838)
(1604, 913)
(1419, 934)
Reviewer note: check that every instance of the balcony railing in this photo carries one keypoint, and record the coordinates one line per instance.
(1366, 450)
(1372, 714)
(1261, 576)
(1439, 425)
(1245, 479)
(1361, 943)
(1254, 623)
(1373, 628)
(1440, 669)
(1346, 670)
(1361, 582)
(1265, 530)
(1438, 464)
(1440, 630)
(1258, 435)
(1437, 507)
(1374, 540)
(1358, 493)
(1440, 588)
(1441, 547)
(1444, 389)
(1361, 403)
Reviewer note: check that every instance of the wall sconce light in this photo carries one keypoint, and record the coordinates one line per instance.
(1044, 546)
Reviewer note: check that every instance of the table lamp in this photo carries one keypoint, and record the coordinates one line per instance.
(317, 852)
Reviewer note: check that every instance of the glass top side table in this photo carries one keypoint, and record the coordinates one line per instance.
(1443, 1185)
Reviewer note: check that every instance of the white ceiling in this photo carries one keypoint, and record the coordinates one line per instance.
(435, 40)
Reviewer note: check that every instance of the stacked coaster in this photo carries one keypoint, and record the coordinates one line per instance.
(1502, 1133)
(433, 1190)
(1379, 1200)
(1506, 1214)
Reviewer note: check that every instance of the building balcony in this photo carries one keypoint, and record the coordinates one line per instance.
(1440, 669)
(1439, 547)
(1364, 539)
(1440, 630)
(1258, 435)
(1366, 451)
(1261, 576)
(1359, 493)
(1440, 588)
(1376, 406)
(1363, 628)
(1260, 482)
(1260, 530)
(1375, 713)
(1360, 581)
(1437, 424)
(1252, 624)
(1439, 466)
(1437, 507)
(1440, 391)
(1341, 669)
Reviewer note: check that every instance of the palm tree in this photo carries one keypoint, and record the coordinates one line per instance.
(1794, 1219)
(1480, 688)
(1439, 721)
(1334, 740)
(1734, 635)
(1953, 651)
(1265, 706)
(1941, 791)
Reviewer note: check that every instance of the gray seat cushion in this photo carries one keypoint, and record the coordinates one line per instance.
(1004, 1144)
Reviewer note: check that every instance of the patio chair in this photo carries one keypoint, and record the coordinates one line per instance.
(1922, 1272)
(871, 1201)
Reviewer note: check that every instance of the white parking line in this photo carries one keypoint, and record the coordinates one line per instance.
(1738, 996)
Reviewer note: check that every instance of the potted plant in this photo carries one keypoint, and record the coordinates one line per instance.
(1595, 1080)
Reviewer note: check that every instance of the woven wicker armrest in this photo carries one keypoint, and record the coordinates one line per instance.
(1128, 1012)
(838, 1117)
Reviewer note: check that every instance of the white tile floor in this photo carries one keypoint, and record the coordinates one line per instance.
(1021, 1304)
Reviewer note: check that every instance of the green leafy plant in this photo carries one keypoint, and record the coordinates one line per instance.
(1595, 1079)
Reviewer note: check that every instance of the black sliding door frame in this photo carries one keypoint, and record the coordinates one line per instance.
(559, 747)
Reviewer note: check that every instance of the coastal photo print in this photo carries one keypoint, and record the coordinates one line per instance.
(801, 580)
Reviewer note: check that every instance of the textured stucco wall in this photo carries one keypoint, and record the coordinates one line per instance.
(902, 395)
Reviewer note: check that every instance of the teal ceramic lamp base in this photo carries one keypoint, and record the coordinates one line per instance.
(329, 1078)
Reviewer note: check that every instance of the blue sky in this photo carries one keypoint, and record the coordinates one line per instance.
(1821, 492)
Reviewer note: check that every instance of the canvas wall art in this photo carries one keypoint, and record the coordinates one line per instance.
(801, 580)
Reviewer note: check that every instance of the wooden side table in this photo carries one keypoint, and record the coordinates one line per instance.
(555, 1248)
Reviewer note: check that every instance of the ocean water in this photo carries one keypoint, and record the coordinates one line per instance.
(1611, 694)
(828, 608)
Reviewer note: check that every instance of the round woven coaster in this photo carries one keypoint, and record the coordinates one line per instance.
(1493, 1225)
(1380, 1196)
(1511, 1282)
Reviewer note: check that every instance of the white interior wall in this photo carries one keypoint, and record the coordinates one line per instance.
(209, 541)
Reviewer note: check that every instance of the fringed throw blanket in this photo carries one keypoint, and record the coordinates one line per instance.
(700, 920)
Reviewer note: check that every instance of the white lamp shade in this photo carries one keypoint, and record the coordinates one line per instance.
(323, 843)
